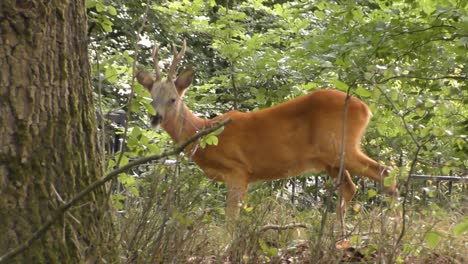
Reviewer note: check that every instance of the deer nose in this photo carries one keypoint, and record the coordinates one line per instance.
(156, 120)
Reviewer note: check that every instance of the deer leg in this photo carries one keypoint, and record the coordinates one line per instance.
(347, 189)
(361, 164)
(235, 195)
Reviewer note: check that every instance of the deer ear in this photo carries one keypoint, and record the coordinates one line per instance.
(145, 79)
(184, 80)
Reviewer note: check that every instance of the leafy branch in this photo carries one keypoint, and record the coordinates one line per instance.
(409, 32)
(93, 186)
(461, 78)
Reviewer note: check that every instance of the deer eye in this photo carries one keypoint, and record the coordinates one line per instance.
(172, 100)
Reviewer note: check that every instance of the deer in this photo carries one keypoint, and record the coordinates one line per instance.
(300, 135)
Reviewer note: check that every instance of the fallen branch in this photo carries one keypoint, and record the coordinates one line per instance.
(93, 186)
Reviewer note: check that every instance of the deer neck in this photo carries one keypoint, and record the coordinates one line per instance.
(183, 124)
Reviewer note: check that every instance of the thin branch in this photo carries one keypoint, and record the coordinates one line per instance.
(413, 138)
(419, 44)
(340, 173)
(234, 86)
(102, 120)
(461, 78)
(93, 186)
(281, 227)
(405, 198)
(132, 84)
(414, 161)
(421, 30)
(453, 178)
(343, 150)
(403, 224)
(130, 96)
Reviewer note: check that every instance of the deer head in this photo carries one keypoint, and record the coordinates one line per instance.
(166, 94)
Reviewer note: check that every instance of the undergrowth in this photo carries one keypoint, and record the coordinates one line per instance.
(179, 218)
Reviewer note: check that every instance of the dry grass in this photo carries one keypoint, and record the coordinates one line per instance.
(181, 220)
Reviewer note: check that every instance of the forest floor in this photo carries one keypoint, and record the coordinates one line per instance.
(276, 232)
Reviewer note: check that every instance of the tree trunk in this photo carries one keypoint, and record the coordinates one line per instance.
(48, 136)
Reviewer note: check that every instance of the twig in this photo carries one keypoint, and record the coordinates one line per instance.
(281, 227)
(402, 117)
(342, 169)
(132, 84)
(102, 121)
(93, 186)
(461, 78)
(234, 86)
(340, 172)
(409, 32)
(405, 198)
(130, 96)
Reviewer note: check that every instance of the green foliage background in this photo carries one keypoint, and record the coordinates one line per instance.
(406, 59)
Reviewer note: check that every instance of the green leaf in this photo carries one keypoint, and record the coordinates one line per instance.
(90, 4)
(218, 131)
(127, 57)
(446, 170)
(382, 128)
(112, 11)
(111, 74)
(340, 85)
(127, 180)
(428, 6)
(150, 109)
(110, 164)
(154, 149)
(438, 131)
(320, 15)
(363, 92)
(135, 105)
(182, 219)
(399, 260)
(100, 7)
(118, 201)
(202, 144)
(107, 26)
(136, 132)
(388, 181)
(123, 161)
(134, 191)
(394, 95)
(269, 251)
(355, 239)
(432, 239)
(371, 193)
(248, 209)
(461, 228)
(211, 140)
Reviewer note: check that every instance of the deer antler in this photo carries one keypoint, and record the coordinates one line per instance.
(156, 62)
(177, 58)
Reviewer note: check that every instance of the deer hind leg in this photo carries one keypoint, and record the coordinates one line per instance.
(347, 189)
(235, 195)
(361, 164)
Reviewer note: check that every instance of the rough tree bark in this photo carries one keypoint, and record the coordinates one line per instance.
(48, 136)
